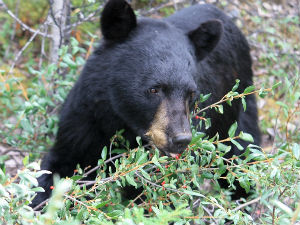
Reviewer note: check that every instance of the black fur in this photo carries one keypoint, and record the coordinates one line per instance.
(117, 20)
(206, 37)
(198, 49)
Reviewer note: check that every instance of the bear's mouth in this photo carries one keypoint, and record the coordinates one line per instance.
(166, 151)
(175, 155)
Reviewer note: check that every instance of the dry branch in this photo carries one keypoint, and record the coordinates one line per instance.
(23, 25)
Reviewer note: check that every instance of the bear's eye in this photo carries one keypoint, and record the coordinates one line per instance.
(153, 90)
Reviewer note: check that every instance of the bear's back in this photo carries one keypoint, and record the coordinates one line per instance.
(232, 39)
(190, 18)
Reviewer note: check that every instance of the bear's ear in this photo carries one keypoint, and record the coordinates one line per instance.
(117, 20)
(206, 37)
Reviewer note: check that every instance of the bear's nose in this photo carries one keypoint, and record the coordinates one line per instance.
(182, 140)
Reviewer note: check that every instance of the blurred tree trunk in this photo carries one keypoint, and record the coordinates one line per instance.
(59, 14)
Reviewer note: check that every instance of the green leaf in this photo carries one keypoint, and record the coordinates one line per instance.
(100, 162)
(195, 180)
(155, 161)
(80, 214)
(207, 123)
(255, 153)
(196, 138)
(26, 160)
(223, 148)
(296, 151)
(274, 172)
(28, 178)
(229, 102)
(220, 109)
(232, 130)
(246, 137)
(207, 175)
(67, 59)
(130, 180)
(156, 210)
(139, 141)
(262, 93)
(193, 193)
(142, 159)
(3, 192)
(200, 211)
(100, 205)
(237, 145)
(33, 165)
(249, 89)
(208, 146)
(115, 214)
(283, 207)
(4, 204)
(244, 104)
(194, 168)
(76, 177)
(38, 189)
(276, 85)
(161, 206)
(203, 98)
(25, 124)
(222, 169)
(244, 184)
(145, 174)
(74, 42)
(104, 153)
(237, 82)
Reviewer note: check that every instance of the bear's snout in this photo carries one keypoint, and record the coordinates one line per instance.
(170, 129)
(181, 141)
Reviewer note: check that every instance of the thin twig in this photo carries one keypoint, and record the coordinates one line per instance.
(105, 162)
(273, 215)
(160, 186)
(22, 50)
(43, 49)
(209, 213)
(87, 18)
(136, 198)
(85, 205)
(274, 207)
(225, 98)
(155, 9)
(23, 25)
(21, 152)
(41, 204)
(246, 204)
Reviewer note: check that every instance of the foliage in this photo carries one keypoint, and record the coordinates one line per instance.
(183, 190)
(35, 108)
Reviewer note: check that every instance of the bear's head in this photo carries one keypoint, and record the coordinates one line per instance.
(151, 66)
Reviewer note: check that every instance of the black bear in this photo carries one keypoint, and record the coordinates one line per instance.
(144, 78)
